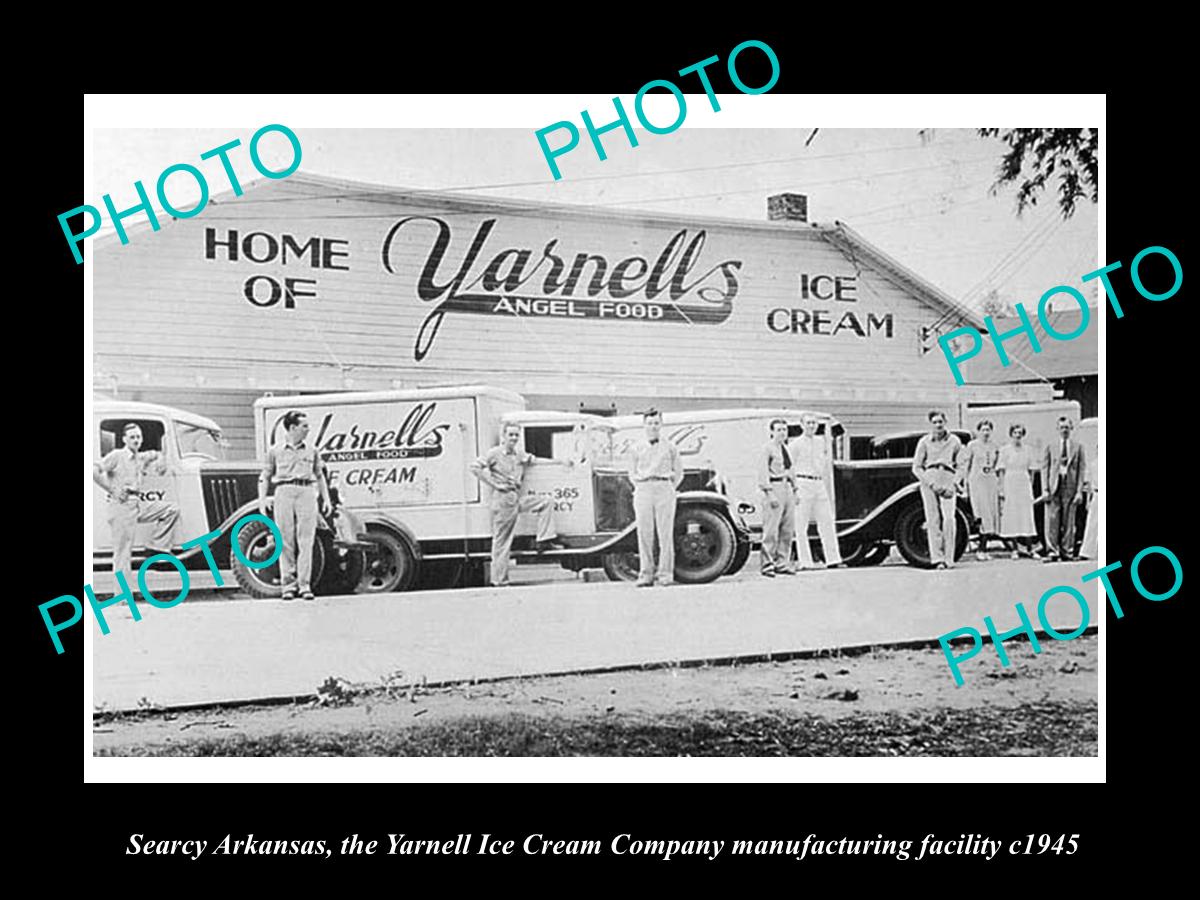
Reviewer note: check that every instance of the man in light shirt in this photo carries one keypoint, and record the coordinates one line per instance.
(502, 468)
(656, 469)
(810, 469)
(297, 473)
(121, 473)
(936, 465)
(779, 503)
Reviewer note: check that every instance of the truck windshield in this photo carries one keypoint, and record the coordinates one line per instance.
(197, 441)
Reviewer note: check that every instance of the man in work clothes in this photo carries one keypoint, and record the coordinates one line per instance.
(810, 466)
(656, 469)
(936, 465)
(1064, 473)
(503, 469)
(298, 475)
(121, 473)
(779, 503)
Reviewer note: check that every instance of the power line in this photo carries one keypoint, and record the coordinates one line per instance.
(621, 175)
(885, 174)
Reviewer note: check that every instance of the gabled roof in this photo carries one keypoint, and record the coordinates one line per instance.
(1057, 359)
(852, 245)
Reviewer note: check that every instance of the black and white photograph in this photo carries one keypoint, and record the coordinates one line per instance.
(458, 441)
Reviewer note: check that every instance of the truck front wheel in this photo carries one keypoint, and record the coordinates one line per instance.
(389, 566)
(257, 543)
(705, 545)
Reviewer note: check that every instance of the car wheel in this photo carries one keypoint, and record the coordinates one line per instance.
(962, 535)
(740, 555)
(912, 539)
(389, 566)
(705, 545)
(621, 566)
(257, 543)
(865, 554)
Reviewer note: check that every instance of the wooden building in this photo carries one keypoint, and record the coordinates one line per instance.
(316, 284)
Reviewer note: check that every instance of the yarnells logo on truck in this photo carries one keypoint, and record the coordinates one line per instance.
(611, 293)
(413, 438)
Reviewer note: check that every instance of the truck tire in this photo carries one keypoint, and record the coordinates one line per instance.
(705, 545)
(389, 567)
(740, 554)
(621, 566)
(913, 542)
(257, 542)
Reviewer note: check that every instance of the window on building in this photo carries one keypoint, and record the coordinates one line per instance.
(112, 431)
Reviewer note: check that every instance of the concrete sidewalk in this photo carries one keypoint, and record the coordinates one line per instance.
(243, 650)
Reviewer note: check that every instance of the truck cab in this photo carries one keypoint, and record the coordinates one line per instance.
(199, 480)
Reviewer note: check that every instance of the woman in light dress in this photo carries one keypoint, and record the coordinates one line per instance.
(1090, 549)
(1016, 461)
(983, 484)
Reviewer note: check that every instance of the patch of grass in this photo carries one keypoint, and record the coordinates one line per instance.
(1034, 729)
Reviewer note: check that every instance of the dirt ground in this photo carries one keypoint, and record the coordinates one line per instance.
(883, 703)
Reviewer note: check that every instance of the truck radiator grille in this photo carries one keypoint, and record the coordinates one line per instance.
(223, 494)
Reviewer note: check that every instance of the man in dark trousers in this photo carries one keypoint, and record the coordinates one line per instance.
(1064, 475)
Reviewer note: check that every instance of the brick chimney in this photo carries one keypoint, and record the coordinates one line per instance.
(787, 208)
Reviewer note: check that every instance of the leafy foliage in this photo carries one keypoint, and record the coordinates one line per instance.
(1037, 155)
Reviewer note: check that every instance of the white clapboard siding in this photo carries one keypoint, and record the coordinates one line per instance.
(175, 327)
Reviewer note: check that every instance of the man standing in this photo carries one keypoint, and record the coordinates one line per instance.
(936, 465)
(1064, 474)
(779, 504)
(121, 473)
(656, 470)
(298, 474)
(810, 462)
(503, 469)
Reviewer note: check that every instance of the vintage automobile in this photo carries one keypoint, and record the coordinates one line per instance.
(401, 461)
(211, 493)
(876, 501)
(903, 444)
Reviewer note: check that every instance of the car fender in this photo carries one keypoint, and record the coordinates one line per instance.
(879, 524)
(712, 498)
(398, 528)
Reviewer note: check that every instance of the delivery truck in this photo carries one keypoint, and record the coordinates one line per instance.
(400, 461)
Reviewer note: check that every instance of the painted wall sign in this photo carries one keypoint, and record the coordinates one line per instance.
(628, 290)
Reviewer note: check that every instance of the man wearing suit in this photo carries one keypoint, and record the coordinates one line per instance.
(1064, 475)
